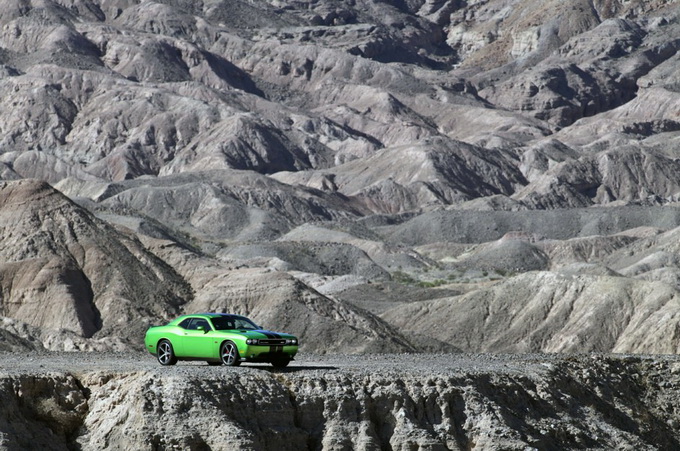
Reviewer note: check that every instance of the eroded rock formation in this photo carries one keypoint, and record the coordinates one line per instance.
(430, 403)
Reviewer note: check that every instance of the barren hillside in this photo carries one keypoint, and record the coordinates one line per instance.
(389, 176)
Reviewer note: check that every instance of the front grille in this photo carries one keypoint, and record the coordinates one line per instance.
(271, 341)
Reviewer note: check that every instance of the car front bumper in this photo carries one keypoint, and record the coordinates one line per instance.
(258, 353)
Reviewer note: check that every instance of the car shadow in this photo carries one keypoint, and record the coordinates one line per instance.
(291, 368)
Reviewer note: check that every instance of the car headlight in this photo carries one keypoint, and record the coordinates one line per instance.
(251, 341)
(292, 341)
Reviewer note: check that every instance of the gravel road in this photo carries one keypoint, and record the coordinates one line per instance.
(311, 364)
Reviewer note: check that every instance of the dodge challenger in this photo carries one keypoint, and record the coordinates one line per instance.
(219, 339)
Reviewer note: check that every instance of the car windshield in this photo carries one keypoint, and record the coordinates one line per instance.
(233, 323)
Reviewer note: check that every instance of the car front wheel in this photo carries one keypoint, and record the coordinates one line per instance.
(229, 354)
(165, 353)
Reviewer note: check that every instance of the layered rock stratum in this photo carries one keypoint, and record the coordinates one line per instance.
(426, 402)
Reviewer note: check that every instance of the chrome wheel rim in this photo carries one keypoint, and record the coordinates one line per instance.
(228, 354)
(164, 353)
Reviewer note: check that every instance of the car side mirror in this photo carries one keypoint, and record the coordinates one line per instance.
(205, 331)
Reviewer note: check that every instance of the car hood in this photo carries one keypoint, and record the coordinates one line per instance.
(260, 333)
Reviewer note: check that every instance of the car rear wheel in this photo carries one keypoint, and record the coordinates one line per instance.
(165, 353)
(229, 354)
(281, 362)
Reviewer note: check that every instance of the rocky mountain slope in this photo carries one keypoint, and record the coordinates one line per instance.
(74, 277)
(392, 176)
(65, 270)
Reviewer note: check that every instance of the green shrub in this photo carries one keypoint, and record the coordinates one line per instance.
(432, 284)
(403, 278)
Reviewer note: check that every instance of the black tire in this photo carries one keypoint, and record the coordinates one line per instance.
(229, 354)
(281, 362)
(165, 353)
(214, 363)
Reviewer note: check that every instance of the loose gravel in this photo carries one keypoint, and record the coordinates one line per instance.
(307, 364)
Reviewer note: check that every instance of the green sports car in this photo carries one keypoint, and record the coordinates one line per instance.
(219, 338)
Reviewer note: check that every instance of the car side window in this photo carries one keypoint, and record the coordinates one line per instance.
(223, 323)
(201, 322)
(193, 325)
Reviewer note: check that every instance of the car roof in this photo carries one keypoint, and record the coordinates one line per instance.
(209, 315)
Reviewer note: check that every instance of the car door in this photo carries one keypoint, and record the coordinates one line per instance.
(198, 343)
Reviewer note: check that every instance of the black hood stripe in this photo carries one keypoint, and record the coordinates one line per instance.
(269, 334)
